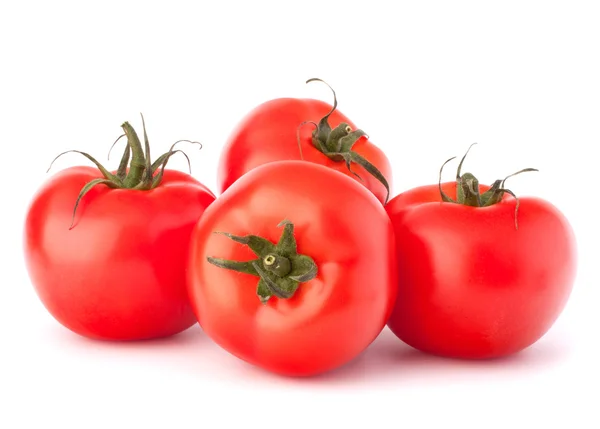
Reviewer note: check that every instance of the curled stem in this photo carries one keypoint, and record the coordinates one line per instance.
(337, 144)
(136, 170)
(468, 193)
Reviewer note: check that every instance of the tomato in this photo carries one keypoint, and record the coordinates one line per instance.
(116, 270)
(294, 129)
(292, 268)
(478, 281)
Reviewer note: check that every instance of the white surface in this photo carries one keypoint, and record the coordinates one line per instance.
(424, 79)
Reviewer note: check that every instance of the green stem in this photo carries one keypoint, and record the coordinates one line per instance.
(141, 170)
(337, 143)
(468, 193)
(138, 160)
(279, 266)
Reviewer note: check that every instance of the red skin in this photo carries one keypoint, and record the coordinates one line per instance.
(269, 133)
(119, 274)
(330, 319)
(470, 284)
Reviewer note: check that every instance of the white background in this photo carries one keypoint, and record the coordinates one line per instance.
(423, 79)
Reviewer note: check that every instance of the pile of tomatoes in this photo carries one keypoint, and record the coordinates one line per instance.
(303, 258)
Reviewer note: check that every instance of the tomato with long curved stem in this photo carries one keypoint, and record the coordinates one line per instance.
(481, 274)
(106, 251)
(309, 130)
(292, 268)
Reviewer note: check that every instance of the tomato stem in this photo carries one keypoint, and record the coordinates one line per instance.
(337, 143)
(138, 161)
(142, 173)
(467, 188)
(277, 264)
(279, 267)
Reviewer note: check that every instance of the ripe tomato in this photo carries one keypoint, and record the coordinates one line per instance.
(297, 297)
(472, 282)
(119, 272)
(270, 133)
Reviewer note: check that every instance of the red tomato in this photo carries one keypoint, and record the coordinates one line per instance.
(342, 236)
(472, 285)
(119, 273)
(270, 133)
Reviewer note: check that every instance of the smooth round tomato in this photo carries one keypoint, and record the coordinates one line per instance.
(119, 272)
(472, 283)
(306, 327)
(270, 133)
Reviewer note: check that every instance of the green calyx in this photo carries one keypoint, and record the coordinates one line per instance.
(279, 267)
(337, 143)
(136, 171)
(467, 188)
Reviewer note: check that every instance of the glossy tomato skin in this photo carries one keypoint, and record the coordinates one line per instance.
(470, 284)
(330, 319)
(119, 274)
(269, 133)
